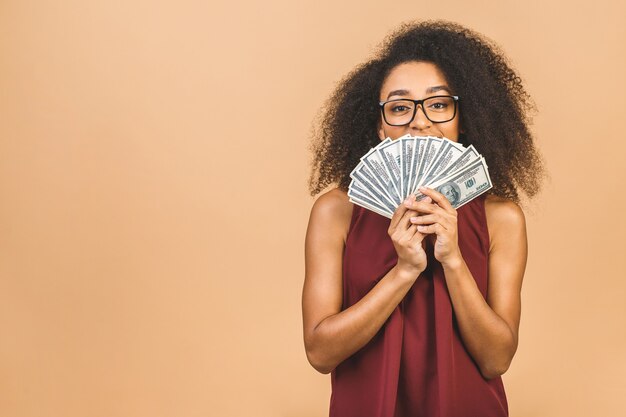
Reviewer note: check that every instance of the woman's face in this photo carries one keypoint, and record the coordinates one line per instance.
(417, 81)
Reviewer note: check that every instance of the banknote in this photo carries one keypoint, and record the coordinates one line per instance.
(463, 185)
(469, 156)
(395, 169)
(362, 190)
(390, 154)
(418, 152)
(430, 149)
(447, 154)
(356, 198)
(366, 178)
(375, 163)
(406, 159)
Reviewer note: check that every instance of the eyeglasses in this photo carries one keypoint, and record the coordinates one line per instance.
(401, 112)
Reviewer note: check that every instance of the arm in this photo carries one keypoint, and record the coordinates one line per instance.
(489, 328)
(330, 334)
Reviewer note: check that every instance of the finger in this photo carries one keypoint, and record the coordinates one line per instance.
(398, 232)
(413, 238)
(403, 237)
(412, 201)
(422, 207)
(442, 219)
(409, 232)
(417, 238)
(397, 215)
(405, 221)
(435, 228)
(437, 197)
(425, 219)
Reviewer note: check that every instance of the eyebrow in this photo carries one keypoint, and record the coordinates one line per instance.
(438, 88)
(429, 90)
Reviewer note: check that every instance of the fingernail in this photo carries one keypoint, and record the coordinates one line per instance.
(413, 219)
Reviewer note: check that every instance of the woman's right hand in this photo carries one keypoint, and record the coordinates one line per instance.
(407, 241)
(332, 331)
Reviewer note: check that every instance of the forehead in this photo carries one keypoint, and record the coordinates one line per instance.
(414, 77)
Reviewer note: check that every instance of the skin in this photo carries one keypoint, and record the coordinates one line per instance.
(489, 328)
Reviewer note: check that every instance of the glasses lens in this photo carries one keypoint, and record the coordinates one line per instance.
(440, 109)
(399, 112)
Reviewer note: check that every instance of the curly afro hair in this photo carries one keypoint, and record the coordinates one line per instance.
(494, 108)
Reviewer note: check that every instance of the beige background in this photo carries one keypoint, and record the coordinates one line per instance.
(153, 203)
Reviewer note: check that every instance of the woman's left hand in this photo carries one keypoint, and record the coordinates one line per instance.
(439, 218)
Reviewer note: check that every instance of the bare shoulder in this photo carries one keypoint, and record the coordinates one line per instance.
(502, 210)
(335, 201)
(332, 211)
(504, 218)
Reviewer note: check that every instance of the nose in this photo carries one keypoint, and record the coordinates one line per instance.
(420, 121)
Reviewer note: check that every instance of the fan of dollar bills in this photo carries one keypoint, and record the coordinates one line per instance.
(395, 169)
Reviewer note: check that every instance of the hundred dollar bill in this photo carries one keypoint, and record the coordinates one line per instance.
(431, 160)
(406, 149)
(457, 145)
(418, 152)
(395, 169)
(390, 154)
(364, 201)
(431, 153)
(469, 156)
(448, 153)
(374, 162)
(360, 190)
(366, 178)
(358, 194)
(430, 149)
(361, 203)
(368, 204)
(463, 185)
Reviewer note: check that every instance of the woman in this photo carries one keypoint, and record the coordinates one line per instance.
(419, 315)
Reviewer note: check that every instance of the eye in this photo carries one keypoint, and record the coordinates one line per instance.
(401, 107)
(438, 105)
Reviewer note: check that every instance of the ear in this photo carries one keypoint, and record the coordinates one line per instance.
(381, 131)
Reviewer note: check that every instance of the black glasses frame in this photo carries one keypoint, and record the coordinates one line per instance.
(417, 103)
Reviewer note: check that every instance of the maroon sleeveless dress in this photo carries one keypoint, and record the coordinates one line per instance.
(416, 365)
